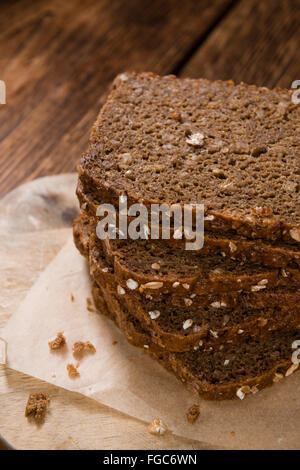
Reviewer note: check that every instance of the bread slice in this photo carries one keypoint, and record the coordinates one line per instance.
(218, 374)
(265, 298)
(186, 328)
(183, 272)
(234, 149)
(182, 328)
(273, 254)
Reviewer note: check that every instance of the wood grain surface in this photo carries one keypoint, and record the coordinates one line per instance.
(257, 42)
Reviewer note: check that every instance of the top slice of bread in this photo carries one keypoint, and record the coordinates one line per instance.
(234, 149)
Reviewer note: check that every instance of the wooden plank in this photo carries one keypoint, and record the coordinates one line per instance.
(257, 42)
(57, 59)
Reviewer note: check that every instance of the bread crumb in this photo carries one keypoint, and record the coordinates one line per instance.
(79, 348)
(193, 413)
(72, 297)
(36, 405)
(114, 343)
(89, 305)
(72, 371)
(157, 427)
(58, 342)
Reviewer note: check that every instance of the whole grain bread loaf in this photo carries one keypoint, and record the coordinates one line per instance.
(274, 254)
(264, 298)
(234, 149)
(218, 374)
(185, 327)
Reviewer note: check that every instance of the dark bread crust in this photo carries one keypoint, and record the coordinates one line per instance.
(244, 128)
(167, 330)
(196, 369)
(273, 254)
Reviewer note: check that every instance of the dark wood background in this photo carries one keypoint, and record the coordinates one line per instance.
(57, 59)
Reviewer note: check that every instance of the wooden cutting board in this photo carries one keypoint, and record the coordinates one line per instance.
(35, 221)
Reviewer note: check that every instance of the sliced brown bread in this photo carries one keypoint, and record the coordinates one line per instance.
(274, 254)
(184, 272)
(185, 328)
(265, 298)
(181, 328)
(234, 371)
(234, 149)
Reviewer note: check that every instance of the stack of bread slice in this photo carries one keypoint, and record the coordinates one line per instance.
(224, 318)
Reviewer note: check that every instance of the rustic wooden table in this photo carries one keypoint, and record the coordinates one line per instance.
(57, 59)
